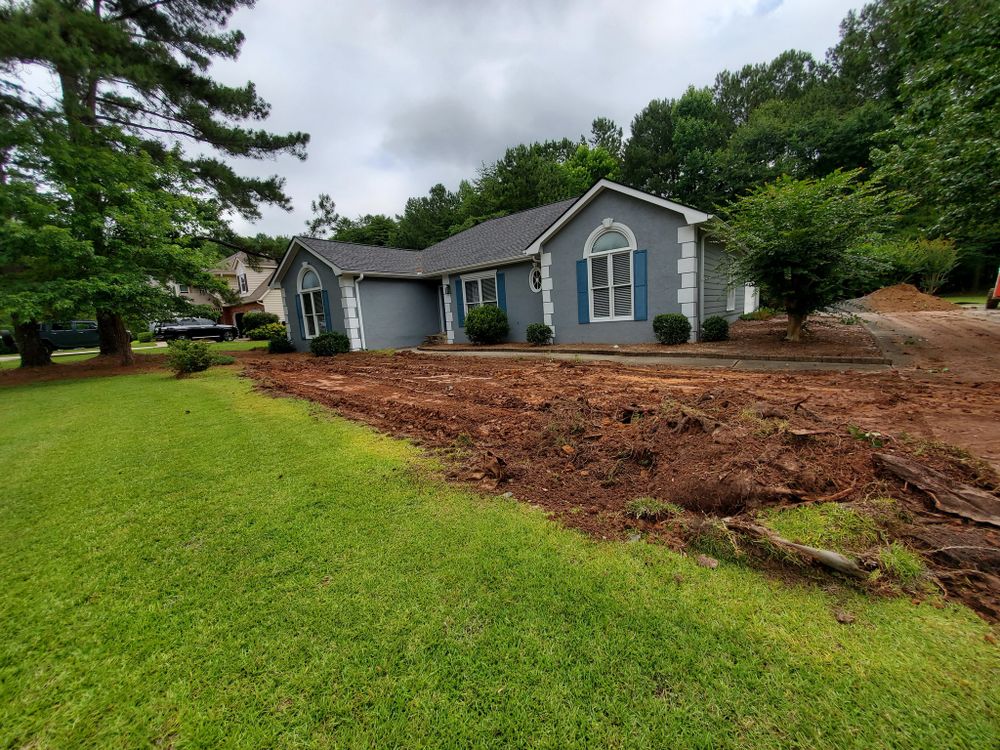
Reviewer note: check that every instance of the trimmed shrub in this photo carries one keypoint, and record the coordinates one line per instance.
(671, 328)
(486, 325)
(145, 336)
(185, 357)
(715, 328)
(329, 343)
(267, 332)
(254, 320)
(280, 345)
(539, 334)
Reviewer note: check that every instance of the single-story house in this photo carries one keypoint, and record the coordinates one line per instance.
(597, 269)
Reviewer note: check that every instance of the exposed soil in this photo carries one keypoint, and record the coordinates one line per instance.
(823, 336)
(902, 298)
(581, 440)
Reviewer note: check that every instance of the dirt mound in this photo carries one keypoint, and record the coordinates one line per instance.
(584, 440)
(904, 298)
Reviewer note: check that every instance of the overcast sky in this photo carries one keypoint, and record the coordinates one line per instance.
(401, 94)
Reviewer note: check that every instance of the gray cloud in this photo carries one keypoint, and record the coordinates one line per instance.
(401, 94)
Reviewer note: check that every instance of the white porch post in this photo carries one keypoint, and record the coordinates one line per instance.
(449, 318)
(687, 269)
(548, 308)
(349, 301)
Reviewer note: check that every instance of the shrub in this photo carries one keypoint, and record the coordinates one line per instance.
(145, 336)
(267, 332)
(184, 357)
(671, 328)
(715, 328)
(329, 343)
(222, 359)
(280, 345)
(254, 320)
(761, 313)
(539, 334)
(486, 325)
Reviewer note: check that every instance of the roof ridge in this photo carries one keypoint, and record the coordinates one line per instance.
(357, 244)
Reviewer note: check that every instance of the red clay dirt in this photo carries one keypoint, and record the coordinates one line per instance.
(582, 439)
(902, 298)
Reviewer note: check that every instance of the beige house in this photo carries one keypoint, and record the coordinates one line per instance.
(249, 283)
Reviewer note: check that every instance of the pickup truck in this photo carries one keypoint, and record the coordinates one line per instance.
(194, 328)
(67, 334)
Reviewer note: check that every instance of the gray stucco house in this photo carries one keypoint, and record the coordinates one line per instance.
(597, 269)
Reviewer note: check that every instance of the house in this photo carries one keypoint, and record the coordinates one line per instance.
(597, 269)
(251, 282)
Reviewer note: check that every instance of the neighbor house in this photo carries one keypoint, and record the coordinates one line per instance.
(597, 269)
(250, 281)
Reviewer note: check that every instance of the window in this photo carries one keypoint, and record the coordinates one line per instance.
(731, 297)
(480, 291)
(311, 298)
(182, 289)
(609, 254)
(535, 279)
(243, 283)
(85, 325)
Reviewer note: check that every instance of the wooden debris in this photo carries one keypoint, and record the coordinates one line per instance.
(829, 558)
(949, 495)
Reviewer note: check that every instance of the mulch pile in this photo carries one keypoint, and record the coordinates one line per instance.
(582, 440)
(903, 298)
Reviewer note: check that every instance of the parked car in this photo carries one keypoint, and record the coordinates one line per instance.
(194, 328)
(71, 334)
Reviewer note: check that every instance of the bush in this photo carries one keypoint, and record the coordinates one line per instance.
(184, 357)
(145, 336)
(267, 332)
(254, 320)
(715, 328)
(539, 334)
(486, 325)
(280, 345)
(761, 313)
(671, 328)
(329, 343)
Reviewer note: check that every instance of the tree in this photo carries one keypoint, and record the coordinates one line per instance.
(427, 219)
(605, 133)
(944, 145)
(370, 229)
(132, 85)
(786, 77)
(700, 133)
(528, 175)
(801, 241)
(325, 217)
(649, 162)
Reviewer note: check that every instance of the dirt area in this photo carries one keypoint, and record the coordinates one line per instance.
(824, 336)
(582, 440)
(902, 298)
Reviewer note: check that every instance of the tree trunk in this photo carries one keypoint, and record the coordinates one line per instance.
(115, 340)
(29, 343)
(795, 323)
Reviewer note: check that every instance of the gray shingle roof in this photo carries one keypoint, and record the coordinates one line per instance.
(349, 256)
(492, 241)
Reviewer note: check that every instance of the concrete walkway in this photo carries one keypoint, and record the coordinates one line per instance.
(701, 363)
(77, 352)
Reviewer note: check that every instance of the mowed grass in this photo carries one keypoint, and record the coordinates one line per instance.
(148, 350)
(186, 563)
(967, 299)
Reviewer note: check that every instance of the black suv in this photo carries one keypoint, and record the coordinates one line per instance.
(194, 328)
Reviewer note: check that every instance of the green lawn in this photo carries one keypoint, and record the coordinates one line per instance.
(187, 563)
(978, 299)
(150, 349)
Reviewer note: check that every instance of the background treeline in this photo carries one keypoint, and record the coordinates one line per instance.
(908, 94)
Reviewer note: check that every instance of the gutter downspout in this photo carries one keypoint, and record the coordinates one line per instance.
(361, 319)
(701, 282)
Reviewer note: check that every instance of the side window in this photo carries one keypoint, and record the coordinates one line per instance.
(62, 326)
(85, 325)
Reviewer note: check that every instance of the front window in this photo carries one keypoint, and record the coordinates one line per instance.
(609, 252)
(311, 298)
(182, 288)
(480, 291)
(243, 283)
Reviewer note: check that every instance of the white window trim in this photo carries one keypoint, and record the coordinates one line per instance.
(731, 297)
(312, 290)
(478, 277)
(531, 278)
(610, 225)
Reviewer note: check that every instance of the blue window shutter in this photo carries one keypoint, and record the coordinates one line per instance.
(582, 293)
(326, 310)
(459, 302)
(298, 314)
(639, 284)
(501, 291)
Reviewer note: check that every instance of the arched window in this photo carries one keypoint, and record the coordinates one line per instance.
(609, 252)
(311, 299)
